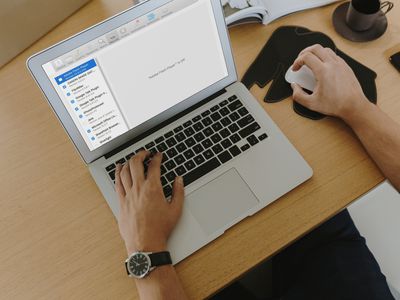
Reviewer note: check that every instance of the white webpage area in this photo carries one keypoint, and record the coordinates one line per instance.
(144, 74)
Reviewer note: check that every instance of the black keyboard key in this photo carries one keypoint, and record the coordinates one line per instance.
(243, 122)
(235, 151)
(216, 126)
(199, 159)
(180, 170)
(201, 171)
(171, 142)
(235, 138)
(172, 152)
(263, 136)
(190, 142)
(112, 175)
(159, 139)
(225, 156)
(188, 154)
(233, 128)
(217, 149)
(180, 137)
(140, 149)
(231, 98)
(205, 114)
(214, 108)
(196, 119)
(216, 138)
(198, 126)
(235, 105)
(224, 133)
(206, 121)
(146, 163)
(153, 151)
(226, 143)
(163, 170)
(164, 157)
(208, 154)
(207, 143)
(170, 165)
(162, 147)
(120, 161)
(224, 111)
(223, 103)
(245, 147)
(198, 148)
(249, 130)
(168, 134)
(181, 147)
(189, 131)
(199, 137)
(178, 129)
(170, 176)
(190, 165)
(208, 131)
(226, 121)
(187, 123)
(110, 167)
(179, 159)
(234, 116)
(150, 145)
(163, 181)
(243, 111)
(167, 191)
(252, 140)
(146, 167)
(215, 116)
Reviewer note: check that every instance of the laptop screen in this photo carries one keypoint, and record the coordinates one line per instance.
(135, 72)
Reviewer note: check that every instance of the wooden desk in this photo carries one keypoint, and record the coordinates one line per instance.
(59, 240)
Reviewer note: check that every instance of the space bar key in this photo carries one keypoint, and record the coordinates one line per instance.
(201, 171)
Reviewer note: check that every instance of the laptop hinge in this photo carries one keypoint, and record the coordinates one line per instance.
(165, 123)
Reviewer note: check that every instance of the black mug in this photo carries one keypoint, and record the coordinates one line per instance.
(363, 14)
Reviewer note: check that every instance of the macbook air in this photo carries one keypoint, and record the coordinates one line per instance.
(160, 76)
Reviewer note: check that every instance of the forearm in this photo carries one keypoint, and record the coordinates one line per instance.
(161, 284)
(380, 136)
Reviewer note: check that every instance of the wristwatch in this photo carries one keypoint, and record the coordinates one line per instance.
(140, 264)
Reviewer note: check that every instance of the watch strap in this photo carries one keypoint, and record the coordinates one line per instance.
(126, 268)
(160, 259)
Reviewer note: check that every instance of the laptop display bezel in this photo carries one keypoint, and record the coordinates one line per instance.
(35, 63)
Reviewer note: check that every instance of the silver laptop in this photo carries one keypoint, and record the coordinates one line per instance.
(161, 76)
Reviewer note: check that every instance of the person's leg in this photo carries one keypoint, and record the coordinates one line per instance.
(331, 262)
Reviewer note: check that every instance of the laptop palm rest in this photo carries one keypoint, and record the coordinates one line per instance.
(221, 201)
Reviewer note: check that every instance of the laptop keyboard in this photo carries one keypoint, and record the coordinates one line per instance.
(202, 144)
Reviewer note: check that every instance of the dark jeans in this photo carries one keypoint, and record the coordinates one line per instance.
(331, 262)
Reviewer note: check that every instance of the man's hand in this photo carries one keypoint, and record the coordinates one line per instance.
(337, 92)
(146, 219)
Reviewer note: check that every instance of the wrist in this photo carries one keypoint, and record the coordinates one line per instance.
(356, 111)
(146, 246)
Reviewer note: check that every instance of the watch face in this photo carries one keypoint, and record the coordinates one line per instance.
(139, 265)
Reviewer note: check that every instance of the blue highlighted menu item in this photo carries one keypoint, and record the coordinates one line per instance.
(75, 71)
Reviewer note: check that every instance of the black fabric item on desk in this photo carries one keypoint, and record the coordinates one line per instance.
(278, 55)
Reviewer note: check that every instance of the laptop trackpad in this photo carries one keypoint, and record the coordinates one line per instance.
(221, 201)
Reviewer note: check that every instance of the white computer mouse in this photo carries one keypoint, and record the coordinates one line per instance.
(303, 77)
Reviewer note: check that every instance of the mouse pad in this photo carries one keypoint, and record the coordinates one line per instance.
(278, 55)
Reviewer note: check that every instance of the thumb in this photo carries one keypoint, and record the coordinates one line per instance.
(178, 192)
(300, 96)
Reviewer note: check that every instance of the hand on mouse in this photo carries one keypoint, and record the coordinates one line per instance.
(337, 92)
